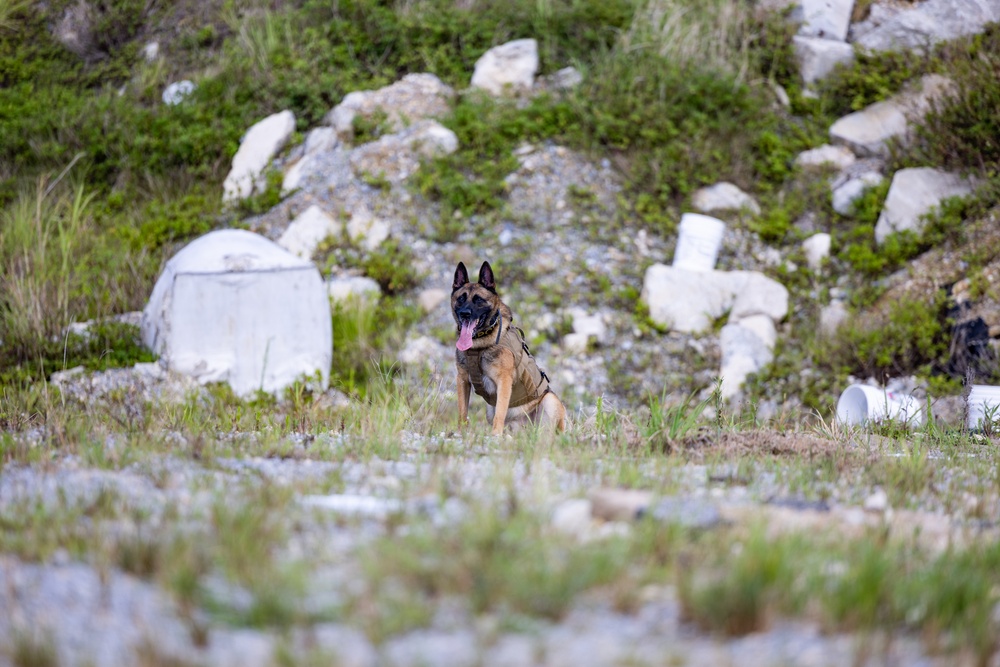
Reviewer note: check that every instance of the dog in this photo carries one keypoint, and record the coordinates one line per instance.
(494, 361)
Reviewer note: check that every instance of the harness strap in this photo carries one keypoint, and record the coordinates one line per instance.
(529, 382)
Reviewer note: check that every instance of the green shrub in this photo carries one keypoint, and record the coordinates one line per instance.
(363, 331)
(870, 78)
(910, 337)
(391, 266)
(471, 180)
(963, 132)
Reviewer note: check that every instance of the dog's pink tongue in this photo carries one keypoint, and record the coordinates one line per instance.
(465, 336)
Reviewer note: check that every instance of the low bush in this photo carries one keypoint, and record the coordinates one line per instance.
(963, 132)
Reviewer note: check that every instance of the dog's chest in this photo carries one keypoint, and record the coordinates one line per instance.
(489, 385)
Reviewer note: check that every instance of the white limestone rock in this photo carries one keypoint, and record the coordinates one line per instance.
(297, 174)
(307, 231)
(828, 19)
(845, 194)
(914, 193)
(510, 67)
(818, 56)
(756, 294)
(261, 143)
(233, 307)
(367, 230)
(867, 132)
(817, 249)
(396, 156)
(827, 155)
(589, 325)
(345, 288)
(723, 196)
(415, 97)
(565, 79)
(743, 352)
(689, 301)
(320, 140)
(151, 51)
(918, 25)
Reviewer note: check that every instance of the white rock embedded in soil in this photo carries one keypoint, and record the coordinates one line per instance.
(261, 143)
(510, 67)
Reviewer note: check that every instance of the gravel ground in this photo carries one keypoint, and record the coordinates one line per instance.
(99, 615)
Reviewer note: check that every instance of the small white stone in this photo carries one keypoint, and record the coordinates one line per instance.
(877, 501)
(176, 92)
(817, 249)
(572, 517)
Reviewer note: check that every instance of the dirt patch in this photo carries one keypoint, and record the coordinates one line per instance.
(766, 443)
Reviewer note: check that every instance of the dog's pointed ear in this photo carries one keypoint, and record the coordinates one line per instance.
(461, 277)
(486, 278)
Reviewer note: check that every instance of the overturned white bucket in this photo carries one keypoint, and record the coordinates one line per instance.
(861, 403)
(698, 240)
(984, 406)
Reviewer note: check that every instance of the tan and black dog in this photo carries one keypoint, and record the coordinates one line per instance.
(493, 359)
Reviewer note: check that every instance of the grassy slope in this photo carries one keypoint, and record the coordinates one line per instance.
(84, 236)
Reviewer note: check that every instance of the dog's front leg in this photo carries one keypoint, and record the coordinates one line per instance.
(464, 395)
(504, 370)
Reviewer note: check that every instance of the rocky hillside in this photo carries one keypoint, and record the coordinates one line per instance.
(837, 144)
(228, 431)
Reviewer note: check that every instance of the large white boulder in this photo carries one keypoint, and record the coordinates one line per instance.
(896, 26)
(912, 194)
(511, 66)
(261, 143)
(233, 307)
(683, 300)
(689, 301)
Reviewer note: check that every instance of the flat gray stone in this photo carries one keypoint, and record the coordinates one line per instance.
(687, 512)
(921, 24)
(867, 132)
(818, 56)
(912, 195)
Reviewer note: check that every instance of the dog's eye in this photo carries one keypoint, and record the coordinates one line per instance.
(461, 299)
(478, 300)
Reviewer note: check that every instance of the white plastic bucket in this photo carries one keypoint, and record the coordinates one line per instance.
(861, 403)
(698, 240)
(984, 405)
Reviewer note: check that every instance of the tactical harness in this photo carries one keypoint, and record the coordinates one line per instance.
(530, 382)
